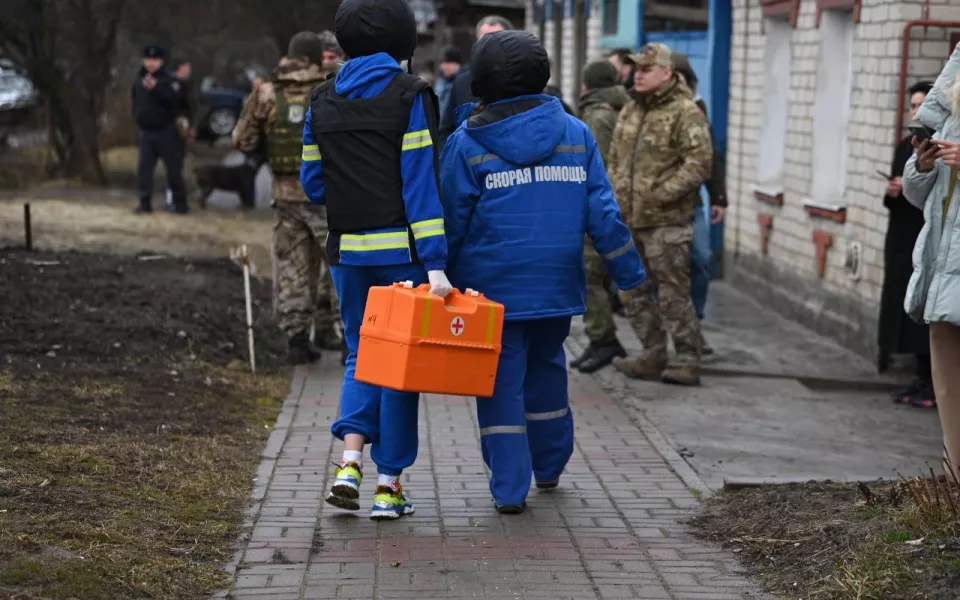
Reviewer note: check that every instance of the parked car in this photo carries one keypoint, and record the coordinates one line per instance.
(219, 109)
(18, 96)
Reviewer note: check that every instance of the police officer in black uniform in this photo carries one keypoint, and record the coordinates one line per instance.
(157, 102)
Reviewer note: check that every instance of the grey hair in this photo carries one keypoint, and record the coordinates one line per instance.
(493, 20)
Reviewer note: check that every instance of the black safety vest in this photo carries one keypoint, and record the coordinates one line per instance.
(360, 142)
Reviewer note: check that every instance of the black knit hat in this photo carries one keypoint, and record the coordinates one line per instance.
(599, 74)
(507, 64)
(306, 44)
(452, 55)
(366, 27)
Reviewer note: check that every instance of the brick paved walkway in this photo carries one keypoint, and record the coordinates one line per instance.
(610, 531)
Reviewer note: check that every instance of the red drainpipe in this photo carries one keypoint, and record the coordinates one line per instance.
(905, 58)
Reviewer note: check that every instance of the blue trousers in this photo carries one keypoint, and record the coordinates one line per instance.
(701, 259)
(527, 426)
(386, 418)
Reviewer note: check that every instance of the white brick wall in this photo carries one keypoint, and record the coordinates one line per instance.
(876, 66)
(567, 62)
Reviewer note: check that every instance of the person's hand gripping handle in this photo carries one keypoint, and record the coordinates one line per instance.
(439, 284)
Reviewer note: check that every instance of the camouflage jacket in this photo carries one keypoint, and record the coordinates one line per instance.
(258, 112)
(660, 155)
(599, 109)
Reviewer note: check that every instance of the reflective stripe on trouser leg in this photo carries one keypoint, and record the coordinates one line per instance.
(548, 414)
(397, 448)
(502, 419)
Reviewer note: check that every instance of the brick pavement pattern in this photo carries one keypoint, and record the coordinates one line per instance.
(612, 529)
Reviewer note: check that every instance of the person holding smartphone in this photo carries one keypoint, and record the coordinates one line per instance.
(898, 334)
(930, 182)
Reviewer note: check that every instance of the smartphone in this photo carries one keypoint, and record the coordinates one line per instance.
(884, 175)
(922, 132)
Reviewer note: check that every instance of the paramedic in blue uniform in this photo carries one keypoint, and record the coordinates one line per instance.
(522, 183)
(369, 155)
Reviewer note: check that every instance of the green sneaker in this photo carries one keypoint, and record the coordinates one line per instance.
(390, 503)
(345, 492)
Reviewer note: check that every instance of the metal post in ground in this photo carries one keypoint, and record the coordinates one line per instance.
(27, 227)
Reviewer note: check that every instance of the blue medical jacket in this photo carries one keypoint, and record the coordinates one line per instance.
(519, 195)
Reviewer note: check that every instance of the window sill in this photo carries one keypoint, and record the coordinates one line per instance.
(771, 196)
(833, 212)
(789, 9)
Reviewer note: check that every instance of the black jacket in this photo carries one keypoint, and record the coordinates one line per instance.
(158, 108)
(898, 332)
(460, 94)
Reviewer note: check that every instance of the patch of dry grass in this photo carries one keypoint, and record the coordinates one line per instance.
(841, 541)
(104, 224)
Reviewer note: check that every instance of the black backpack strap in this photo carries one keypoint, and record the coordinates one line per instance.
(321, 89)
(431, 107)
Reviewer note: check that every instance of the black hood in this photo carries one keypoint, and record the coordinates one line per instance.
(507, 64)
(365, 27)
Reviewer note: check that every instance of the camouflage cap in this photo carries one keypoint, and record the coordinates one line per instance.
(658, 55)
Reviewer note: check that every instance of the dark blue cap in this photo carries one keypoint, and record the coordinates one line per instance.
(154, 51)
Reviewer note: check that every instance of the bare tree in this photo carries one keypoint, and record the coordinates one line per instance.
(68, 48)
(287, 18)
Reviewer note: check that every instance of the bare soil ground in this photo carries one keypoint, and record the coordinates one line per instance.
(131, 426)
(827, 540)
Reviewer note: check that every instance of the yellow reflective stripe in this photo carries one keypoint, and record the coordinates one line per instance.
(416, 139)
(428, 228)
(425, 321)
(311, 152)
(367, 242)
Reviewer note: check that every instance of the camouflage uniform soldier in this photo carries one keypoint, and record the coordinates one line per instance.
(276, 113)
(600, 102)
(660, 156)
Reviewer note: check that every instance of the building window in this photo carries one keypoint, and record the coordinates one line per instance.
(611, 17)
(676, 15)
(777, 58)
(831, 107)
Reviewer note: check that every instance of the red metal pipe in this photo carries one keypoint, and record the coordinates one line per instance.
(905, 59)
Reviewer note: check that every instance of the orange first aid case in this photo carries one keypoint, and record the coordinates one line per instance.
(414, 341)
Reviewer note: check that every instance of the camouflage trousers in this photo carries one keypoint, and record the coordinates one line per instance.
(598, 320)
(306, 292)
(663, 304)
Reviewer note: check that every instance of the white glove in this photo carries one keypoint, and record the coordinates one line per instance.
(439, 284)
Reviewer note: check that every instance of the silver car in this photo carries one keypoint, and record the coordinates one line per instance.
(17, 96)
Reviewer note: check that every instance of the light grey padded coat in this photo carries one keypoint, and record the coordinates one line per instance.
(934, 291)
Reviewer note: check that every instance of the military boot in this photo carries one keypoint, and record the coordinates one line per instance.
(587, 354)
(648, 366)
(682, 375)
(603, 355)
(301, 350)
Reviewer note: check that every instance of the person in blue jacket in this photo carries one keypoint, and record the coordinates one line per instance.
(369, 155)
(522, 182)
